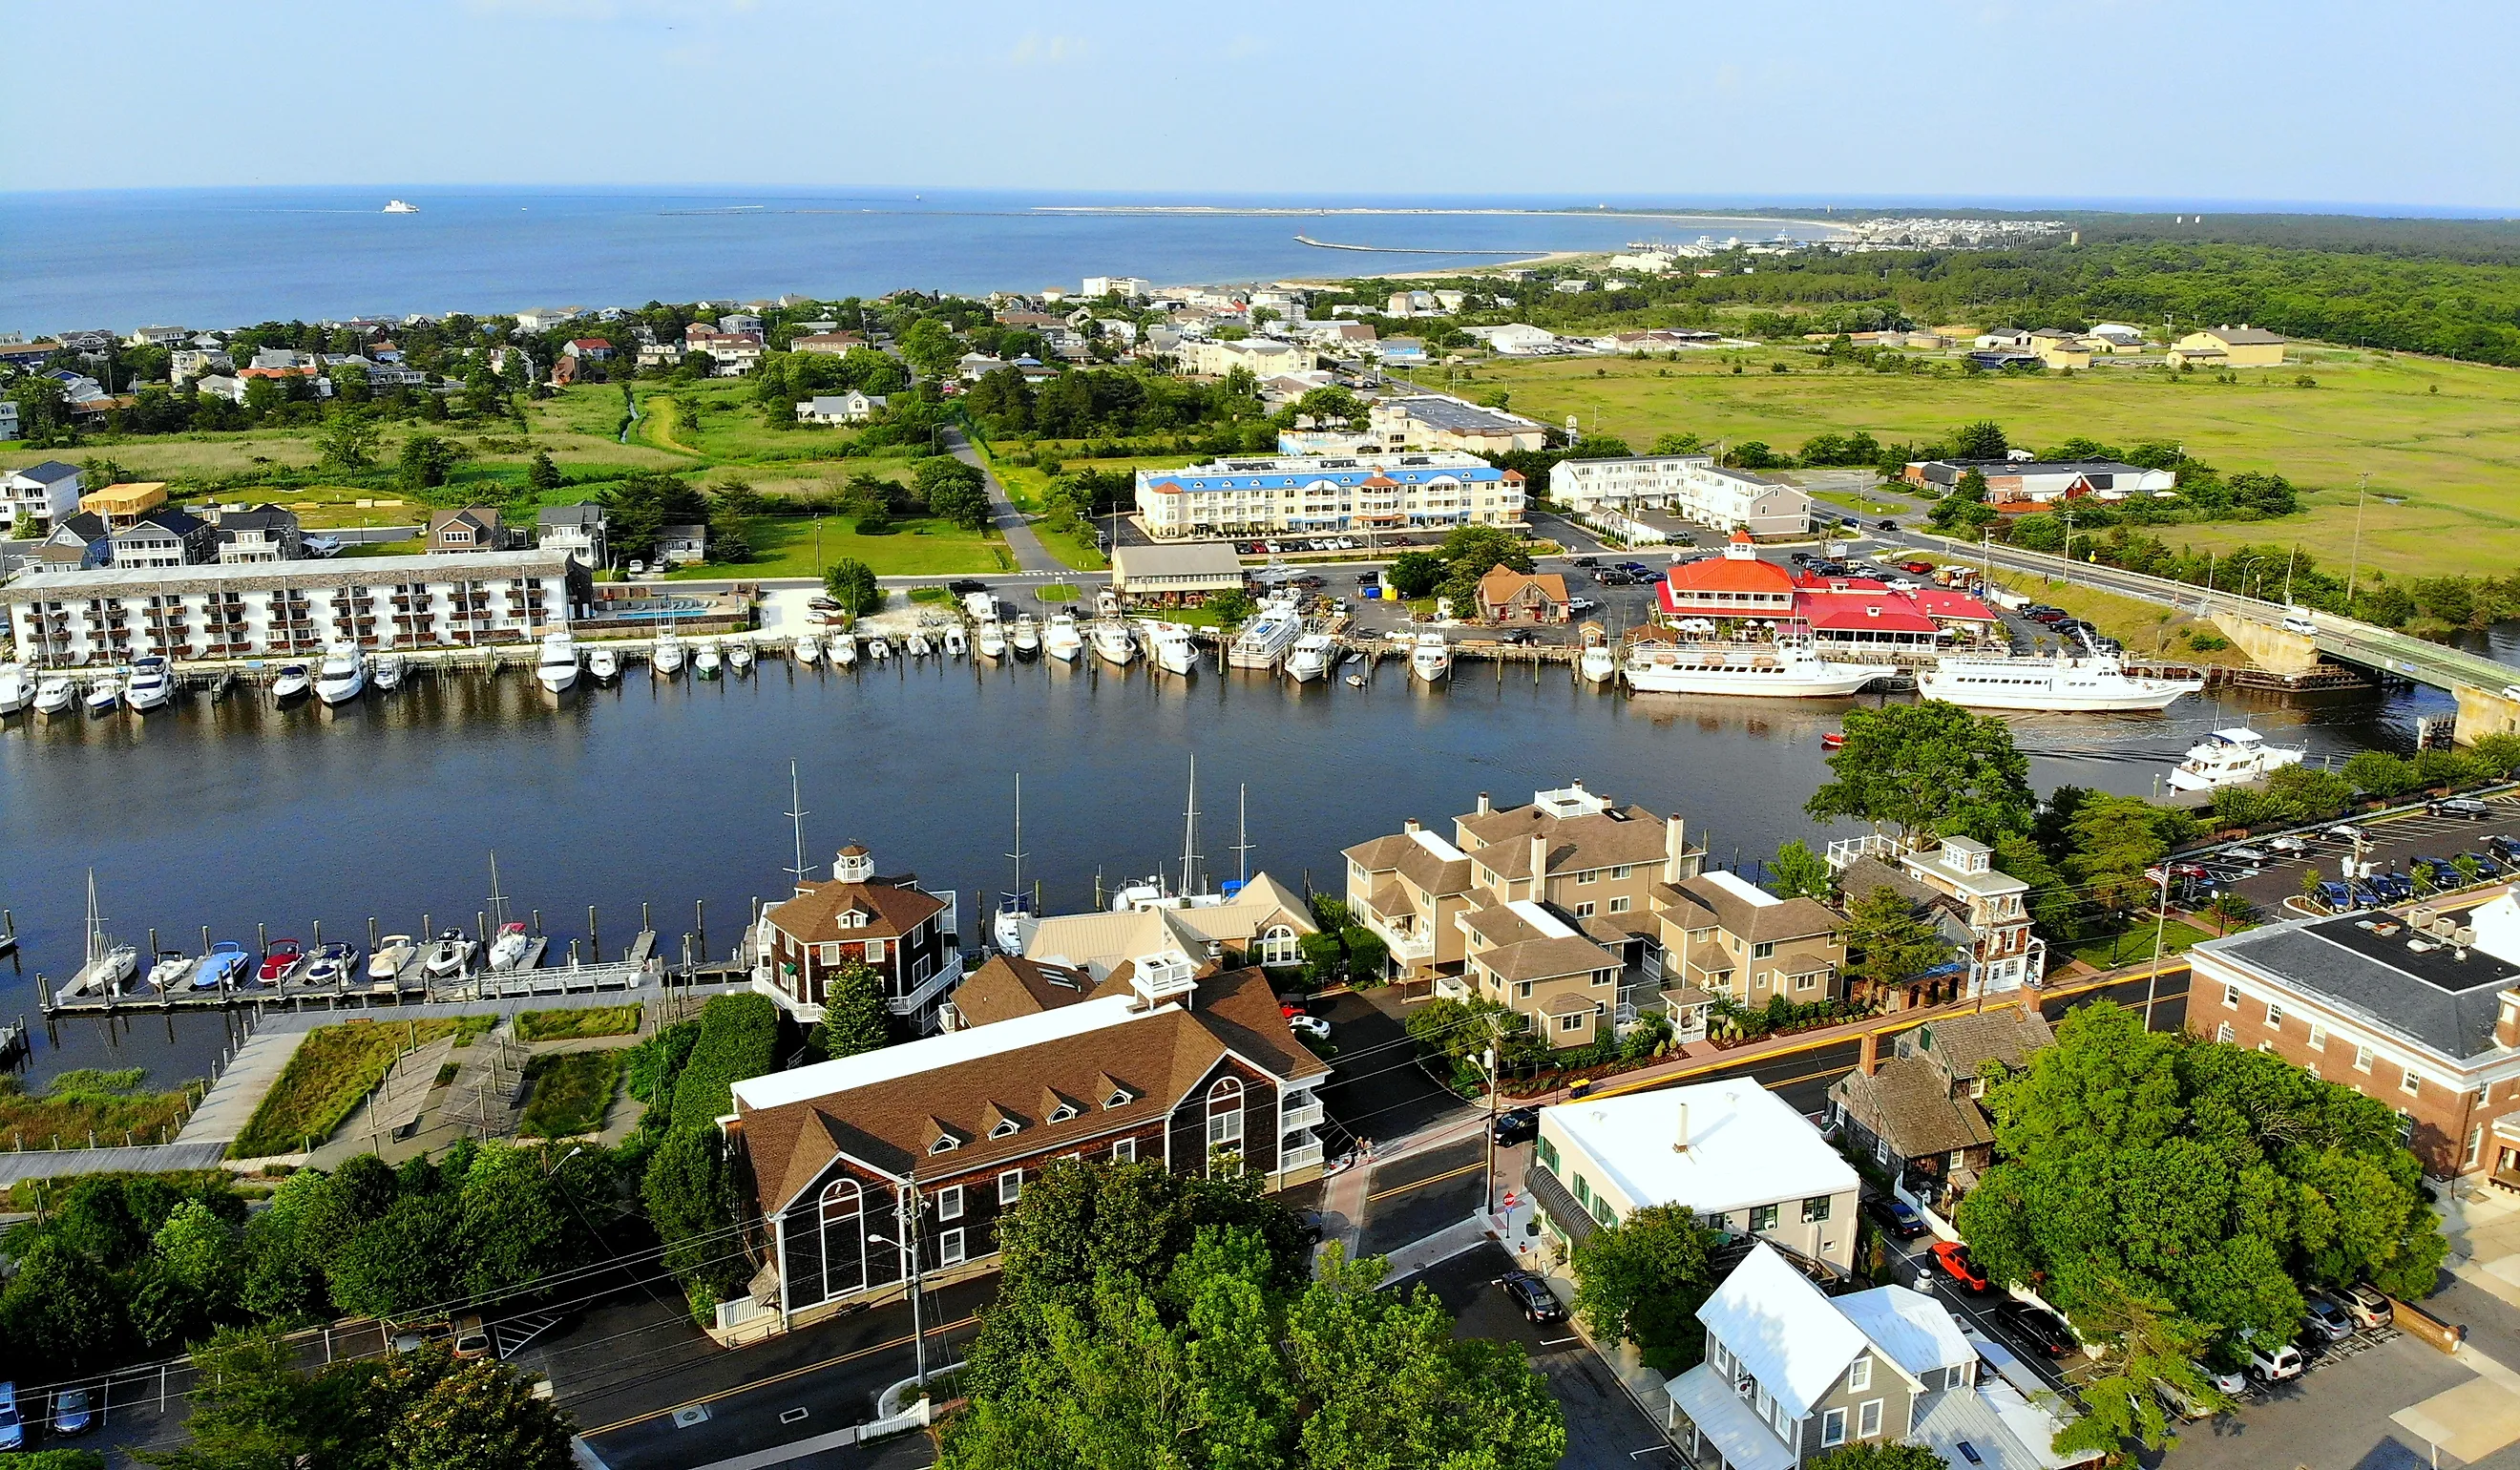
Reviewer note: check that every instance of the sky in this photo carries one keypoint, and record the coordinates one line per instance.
(2155, 100)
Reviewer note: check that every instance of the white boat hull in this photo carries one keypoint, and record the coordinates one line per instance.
(992, 644)
(53, 700)
(555, 679)
(387, 675)
(342, 691)
(844, 652)
(669, 659)
(603, 665)
(2183, 779)
(1756, 676)
(143, 697)
(1598, 666)
(2049, 685)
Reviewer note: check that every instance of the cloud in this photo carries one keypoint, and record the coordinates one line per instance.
(1038, 50)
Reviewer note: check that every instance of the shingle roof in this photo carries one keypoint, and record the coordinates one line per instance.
(1010, 986)
(1785, 919)
(1909, 1104)
(1413, 861)
(50, 471)
(1620, 836)
(812, 916)
(1962, 1045)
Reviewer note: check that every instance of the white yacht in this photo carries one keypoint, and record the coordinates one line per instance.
(842, 651)
(1309, 657)
(2231, 758)
(1175, 651)
(401, 206)
(1265, 640)
(556, 667)
(916, 645)
(104, 695)
(1062, 641)
(739, 658)
(341, 677)
(2097, 682)
(1113, 642)
(707, 662)
(1025, 640)
(1430, 658)
(16, 687)
(450, 955)
(292, 683)
(809, 650)
(603, 665)
(151, 685)
(990, 640)
(384, 671)
(1597, 662)
(1787, 668)
(668, 657)
(955, 641)
(54, 694)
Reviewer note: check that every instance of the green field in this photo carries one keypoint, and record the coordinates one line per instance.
(578, 1023)
(783, 546)
(329, 1074)
(2440, 437)
(1027, 486)
(570, 1091)
(2135, 944)
(2148, 629)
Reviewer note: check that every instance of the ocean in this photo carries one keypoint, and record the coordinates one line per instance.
(224, 258)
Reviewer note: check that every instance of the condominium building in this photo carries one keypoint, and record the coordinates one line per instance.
(1300, 492)
(1690, 486)
(1960, 875)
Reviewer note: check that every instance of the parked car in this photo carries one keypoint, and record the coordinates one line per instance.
(2486, 867)
(2270, 1359)
(1530, 1292)
(2336, 896)
(2506, 848)
(13, 1430)
(472, 1339)
(73, 1413)
(2327, 1317)
(1953, 1257)
(2344, 831)
(2368, 1306)
(2392, 887)
(1310, 1028)
(2438, 869)
(1519, 1126)
(2287, 844)
(963, 587)
(1587, 562)
(1897, 1217)
(2044, 1331)
(2248, 854)
(2458, 806)
(2179, 1401)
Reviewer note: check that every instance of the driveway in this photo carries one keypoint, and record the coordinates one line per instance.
(1030, 554)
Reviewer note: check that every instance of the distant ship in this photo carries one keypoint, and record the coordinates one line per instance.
(401, 206)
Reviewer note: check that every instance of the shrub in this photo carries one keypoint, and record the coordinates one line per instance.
(739, 1039)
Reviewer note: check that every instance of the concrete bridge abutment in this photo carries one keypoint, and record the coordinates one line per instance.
(2484, 712)
(2270, 648)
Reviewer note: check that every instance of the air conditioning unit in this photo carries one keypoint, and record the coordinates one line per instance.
(2444, 925)
(2421, 915)
(2463, 937)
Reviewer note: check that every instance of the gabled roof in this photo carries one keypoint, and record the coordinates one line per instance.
(1502, 583)
(1963, 1043)
(812, 917)
(1009, 986)
(1437, 867)
(1788, 1335)
(1912, 1329)
(1909, 1104)
(1713, 574)
(49, 472)
(1726, 901)
(1618, 836)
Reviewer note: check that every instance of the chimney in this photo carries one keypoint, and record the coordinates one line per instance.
(1410, 828)
(1485, 806)
(1539, 866)
(1674, 850)
(2506, 1021)
(1680, 1131)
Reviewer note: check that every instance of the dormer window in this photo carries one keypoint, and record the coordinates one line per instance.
(1061, 1113)
(1007, 1128)
(945, 1144)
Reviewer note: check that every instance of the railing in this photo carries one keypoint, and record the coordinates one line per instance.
(1300, 1155)
(1305, 1116)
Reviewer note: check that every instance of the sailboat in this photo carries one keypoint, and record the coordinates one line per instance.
(1006, 926)
(109, 964)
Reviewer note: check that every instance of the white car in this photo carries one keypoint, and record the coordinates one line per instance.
(1581, 604)
(2344, 831)
(1902, 584)
(1311, 1028)
(2287, 844)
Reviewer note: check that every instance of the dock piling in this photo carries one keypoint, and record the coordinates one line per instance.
(538, 921)
(262, 939)
(699, 924)
(371, 933)
(594, 937)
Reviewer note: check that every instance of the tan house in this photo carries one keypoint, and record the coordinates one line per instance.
(1723, 935)
(473, 528)
(2241, 347)
(2063, 349)
(1507, 596)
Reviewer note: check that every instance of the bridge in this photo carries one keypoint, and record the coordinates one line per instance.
(2487, 691)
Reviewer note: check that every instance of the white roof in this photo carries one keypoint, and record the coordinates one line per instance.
(1747, 892)
(1747, 1146)
(1439, 847)
(1542, 919)
(1914, 1329)
(2241, 736)
(1789, 1336)
(946, 1049)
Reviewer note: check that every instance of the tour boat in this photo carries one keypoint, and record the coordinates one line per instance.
(2231, 758)
(1062, 641)
(1026, 637)
(956, 643)
(878, 649)
(707, 661)
(738, 658)
(108, 964)
(1113, 642)
(385, 672)
(507, 951)
(2055, 685)
(1429, 658)
(291, 684)
(54, 694)
(1175, 651)
(16, 688)
(1597, 662)
(1785, 669)
(103, 696)
(151, 685)
(990, 640)
(1309, 657)
(916, 645)
(393, 954)
(450, 955)
(603, 665)
(809, 650)
(1265, 640)
(669, 657)
(399, 206)
(556, 667)
(842, 651)
(344, 676)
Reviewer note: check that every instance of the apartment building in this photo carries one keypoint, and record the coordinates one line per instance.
(42, 493)
(1723, 935)
(1690, 486)
(907, 935)
(2001, 955)
(1300, 492)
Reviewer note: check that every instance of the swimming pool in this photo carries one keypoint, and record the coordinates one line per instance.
(649, 609)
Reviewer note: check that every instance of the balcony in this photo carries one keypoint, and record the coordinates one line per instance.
(1302, 1155)
(1308, 1115)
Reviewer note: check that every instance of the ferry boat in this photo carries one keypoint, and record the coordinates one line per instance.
(1026, 637)
(1310, 658)
(556, 667)
(1062, 641)
(2055, 685)
(1113, 642)
(400, 206)
(151, 685)
(1175, 651)
(1787, 668)
(1430, 659)
(2231, 758)
(1266, 639)
(342, 675)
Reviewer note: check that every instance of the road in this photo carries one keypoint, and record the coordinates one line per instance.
(1030, 554)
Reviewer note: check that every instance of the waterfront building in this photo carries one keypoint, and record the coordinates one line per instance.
(1721, 935)
(1305, 494)
(944, 1133)
(907, 935)
(1260, 922)
(1738, 584)
(1507, 596)
(576, 531)
(1691, 485)
(43, 493)
(259, 533)
(1180, 572)
(118, 613)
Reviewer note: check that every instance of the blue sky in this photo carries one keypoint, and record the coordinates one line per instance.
(2168, 101)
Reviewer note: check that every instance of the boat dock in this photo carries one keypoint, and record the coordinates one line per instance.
(411, 985)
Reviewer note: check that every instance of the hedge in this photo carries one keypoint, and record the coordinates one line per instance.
(739, 1039)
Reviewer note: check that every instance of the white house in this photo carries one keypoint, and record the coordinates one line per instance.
(1515, 339)
(1126, 287)
(43, 493)
(851, 407)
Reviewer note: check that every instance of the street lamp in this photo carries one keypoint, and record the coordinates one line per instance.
(908, 1245)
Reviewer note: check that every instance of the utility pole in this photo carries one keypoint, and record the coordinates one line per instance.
(2069, 548)
(1496, 1045)
(910, 1256)
(2160, 932)
(2355, 565)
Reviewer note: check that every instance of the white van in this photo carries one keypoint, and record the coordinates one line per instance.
(2297, 620)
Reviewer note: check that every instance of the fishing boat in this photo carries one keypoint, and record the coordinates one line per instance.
(1113, 642)
(809, 650)
(170, 969)
(738, 658)
(667, 659)
(1430, 658)
(556, 667)
(342, 675)
(955, 641)
(331, 964)
(224, 965)
(394, 954)
(878, 649)
(108, 964)
(16, 688)
(1596, 662)
(1265, 640)
(1309, 657)
(508, 950)
(1025, 640)
(1175, 651)
(603, 665)
(450, 955)
(709, 662)
(151, 685)
(291, 684)
(1062, 641)
(843, 650)
(2231, 758)
(1784, 667)
(990, 640)
(103, 696)
(2055, 685)
(384, 671)
(54, 695)
(917, 646)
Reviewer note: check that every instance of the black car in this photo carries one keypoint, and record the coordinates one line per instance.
(1887, 525)
(2042, 1331)
(963, 587)
(1587, 561)
(1520, 1126)
(1532, 1294)
(1524, 638)
(1897, 1217)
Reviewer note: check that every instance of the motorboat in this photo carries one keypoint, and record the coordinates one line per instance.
(877, 649)
(450, 955)
(106, 966)
(54, 694)
(809, 650)
(2231, 758)
(2050, 684)
(170, 969)
(320, 544)
(556, 667)
(384, 671)
(917, 646)
(103, 696)
(709, 662)
(16, 688)
(1025, 640)
(401, 206)
(280, 960)
(291, 684)
(738, 658)
(330, 962)
(1430, 658)
(668, 655)
(343, 676)
(1062, 641)
(603, 665)
(508, 950)
(1265, 640)
(224, 965)
(844, 649)
(1355, 680)
(1113, 642)
(1309, 658)
(1784, 667)
(393, 956)
(1175, 651)
(954, 643)
(990, 640)
(982, 607)
(150, 687)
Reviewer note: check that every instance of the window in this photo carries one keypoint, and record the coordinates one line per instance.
(2361, 1058)
(2410, 1084)
(2223, 1032)
(1833, 1428)
(1859, 1375)
(1605, 977)
(1007, 1128)
(1867, 1420)
(1765, 948)
(949, 1202)
(1584, 910)
(2274, 1016)
(2317, 1037)
(1589, 875)
(949, 1248)
(1279, 945)
(829, 953)
(1548, 1152)
(1062, 1112)
(1762, 1218)
(1225, 1114)
(2475, 1145)
(945, 1144)
(1620, 871)
(1574, 1022)
(1522, 990)
(2232, 997)
(1815, 1209)
(1124, 1151)
(1807, 981)
(1619, 906)
(1010, 1187)
(874, 951)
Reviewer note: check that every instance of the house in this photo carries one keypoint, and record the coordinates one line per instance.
(730, 354)
(193, 362)
(168, 536)
(1735, 1155)
(830, 343)
(1307, 494)
(1177, 572)
(1507, 596)
(850, 407)
(739, 323)
(592, 348)
(907, 935)
(220, 386)
(158, 336)
(39, 493)
(262, 533)
(2043, 483)
(1261, 922)
(8, 429)
(18, 352)
(1720, 935)
(2119, 336)
(576, 530)
(2241, 347)
(1261, 356)
(473, 528)
(122, 504)
(943, 1135)
(1691, 485)
(2063, 349)
(1920, 1114)
(1517, 340)
(544, 318)
(81, 539)
(682, 545)
(2001, 955)
(1792, 1374)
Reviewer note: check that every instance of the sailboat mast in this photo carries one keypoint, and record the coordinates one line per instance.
(95, 922)
(797, 819)
(498, 902)
(1190, 834)
(1019, 854)
(1242, 833)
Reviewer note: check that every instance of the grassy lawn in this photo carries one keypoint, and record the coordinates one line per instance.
(1860, 504)
(721, 421)
(2147, 629)
(574, 1025)
(108, 1104)
(1055, 592)
(783, 546)
(2135, 945)
(334, 1068)
(571, 1092)
(2440, 437)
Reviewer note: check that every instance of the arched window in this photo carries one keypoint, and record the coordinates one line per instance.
(843, 1236)
(1277, 945)
(1225, 1115)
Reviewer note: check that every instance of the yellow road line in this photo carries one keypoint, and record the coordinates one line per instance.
(775, 1378)
(1432, 1178)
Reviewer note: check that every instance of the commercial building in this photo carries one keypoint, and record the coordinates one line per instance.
(1692, 485)
(1177, 572)
(1261, 922)
(1126, 287)
(1261, 356)
(2241, 347)
(904, 933)
(1507, 596)
(1302, 493)
(2044, 481)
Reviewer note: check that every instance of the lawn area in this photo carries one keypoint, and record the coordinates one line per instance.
(1859, 504)
(2148, 629)
(2135, 945)
(578, 1024)
(572, 1089)
(2440, 437)
(334, 1068)
(784, 546)
(1027, 486)
(108, 1104)
(720, 421)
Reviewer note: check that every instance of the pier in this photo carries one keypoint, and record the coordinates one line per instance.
(410, 986)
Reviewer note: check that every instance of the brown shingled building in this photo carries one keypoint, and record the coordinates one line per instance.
(899, 930)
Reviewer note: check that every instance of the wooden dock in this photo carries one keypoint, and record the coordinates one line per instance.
(411, 986)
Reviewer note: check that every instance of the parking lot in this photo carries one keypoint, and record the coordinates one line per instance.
(2267, 871)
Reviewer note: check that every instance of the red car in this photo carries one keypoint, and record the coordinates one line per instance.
(1954, 1259)
(1915, 568)
(281, 960)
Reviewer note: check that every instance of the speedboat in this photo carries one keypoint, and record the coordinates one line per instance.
(603, 665)
(556, 667)
(1430, 658)
(1113, 642)
(393, 954)
(1310, 658)
(331, 964)
(738, 658)
(991, 640)
(151, 685)
(450, 955)
(507, 951)
(171, 969)
(279, 959)
(1062, 641)
(342, 677)
(104, 695)
(54, 694)
(2231, 758)
(917, 646)
(956, 643)
(809, 650)
(669, 657)
(1176, 651)
(224, 965)
(877, 649)
(291, 684)
(843, 650)
(384, 671)
(709, 661)
(1025, 640)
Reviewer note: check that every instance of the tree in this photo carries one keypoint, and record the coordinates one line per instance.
(1231, 605)
(1414, 574)
(853, 1011)
(349, 441)
(1367, 955)
(1981, 440)
(2229, 911)
(1879, 1454)
(689, 1191)
(542, 474)
(2112, 840)
(1643, 1279)
(1800, 872)
(931, 346)
(198, 1249)
(1887, 941)
(250, 1409)
(954, 490)
(1332, 405)
(1598, 447)
(2379, 773)
(476, 1415)
(1677, 443)
(425, 461)
(1929, 770)
(852, 584)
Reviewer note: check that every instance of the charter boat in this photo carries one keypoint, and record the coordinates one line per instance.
(739, 658)
(151, 685)
(603, 665)
(2056, 684)
(1265, 640)
(556, 668)
(508, 950)
(1785, 668)
(2231, 758)
(1430, 658)
(1113, 642)
(668, 657)
(394, 954)
(1309, 657)
(842, 651)
(108, 964)
(990, 640)
(103, 696)
(343, 676)
(16, 688)
(54, 694)
(709, 661)
(1596, 662)
(450, 955)
(384, 671)
(1062, 641)
(1175, 651)
(954, 643)
(1025, 640)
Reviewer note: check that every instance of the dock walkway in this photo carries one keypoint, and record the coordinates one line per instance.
(232, 1099)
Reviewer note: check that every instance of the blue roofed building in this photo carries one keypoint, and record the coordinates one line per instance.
(1305, 493)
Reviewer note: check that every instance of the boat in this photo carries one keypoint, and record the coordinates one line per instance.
(1835, 739)
(1783, 668)
(1113, 642)
(918, 646)
(603, 665)
(1025, 640)
(224, 965)
(668, 655)
(956, 643)
(877, 649)
(280, 960)
(738, 658)
(1311, 657)
(399, 206)
(331, 964)
(1355, 680)
(709, 661)
(16, 688)
(843, 650)
(151, 685)
(1265, 640)
(1015, 907)
(2231, 758)
(103, 696)
(108, 964)
(450, 955)
(384, 671)
(1430, 658)
(2051, 685)
(291, 684)
(170, 969)
(990, 640)
(809, 650)
(343, 676)
(54, 694)
(394, 954)
(1597, 662)
(556, 667)
(1175, 651)
(508, 950)
(1062, 641)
